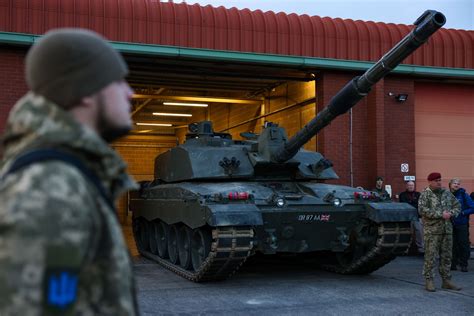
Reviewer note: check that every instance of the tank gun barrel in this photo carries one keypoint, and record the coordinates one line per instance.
(427, 24)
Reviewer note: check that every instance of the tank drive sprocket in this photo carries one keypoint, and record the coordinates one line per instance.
(391, 240)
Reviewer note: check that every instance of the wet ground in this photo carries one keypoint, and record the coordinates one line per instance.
(275, 287)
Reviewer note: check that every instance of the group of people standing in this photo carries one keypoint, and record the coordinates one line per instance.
(442, 227)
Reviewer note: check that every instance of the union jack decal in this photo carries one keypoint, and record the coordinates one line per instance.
(325, 218)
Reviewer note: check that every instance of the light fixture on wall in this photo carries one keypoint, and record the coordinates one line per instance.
(154, 124)
(186, 104)
(401, 97)
(172, 114)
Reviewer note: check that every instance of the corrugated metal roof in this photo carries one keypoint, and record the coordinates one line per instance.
(180, 24)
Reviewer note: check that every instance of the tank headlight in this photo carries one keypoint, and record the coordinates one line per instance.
(337, 202)
(280, 202)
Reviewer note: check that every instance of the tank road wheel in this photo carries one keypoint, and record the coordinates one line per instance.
(173, 244)
(153, 237)
(136, 232)
(162, 233)
(200, 247)
(141, 233)
(145, 234)
(184, 247)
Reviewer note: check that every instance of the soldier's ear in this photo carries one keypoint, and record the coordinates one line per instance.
(89, 101)
(87, 110)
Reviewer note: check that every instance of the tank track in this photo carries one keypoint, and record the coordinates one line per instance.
(230, 248)
(392, 239)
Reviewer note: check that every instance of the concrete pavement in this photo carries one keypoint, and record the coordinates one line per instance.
(273, 287)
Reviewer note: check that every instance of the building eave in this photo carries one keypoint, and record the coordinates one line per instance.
(297, 62)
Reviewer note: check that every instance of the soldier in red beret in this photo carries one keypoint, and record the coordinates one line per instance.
(437, 206)
(434, 176)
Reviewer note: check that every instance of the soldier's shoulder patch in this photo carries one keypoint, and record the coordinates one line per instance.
(60, 290)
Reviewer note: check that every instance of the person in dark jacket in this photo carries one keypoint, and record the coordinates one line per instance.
(380, 189)
(468, 224)
(411, 197)
(461, 244)
(468, 229)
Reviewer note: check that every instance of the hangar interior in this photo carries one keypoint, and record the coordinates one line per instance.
(237, 97)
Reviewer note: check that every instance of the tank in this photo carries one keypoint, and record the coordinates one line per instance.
(215, 201)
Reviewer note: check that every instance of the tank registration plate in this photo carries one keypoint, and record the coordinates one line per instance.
(314, 217)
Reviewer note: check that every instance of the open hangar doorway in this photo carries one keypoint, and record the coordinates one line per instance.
(170, 93)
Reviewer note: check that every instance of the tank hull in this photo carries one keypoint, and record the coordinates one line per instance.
(269, 218)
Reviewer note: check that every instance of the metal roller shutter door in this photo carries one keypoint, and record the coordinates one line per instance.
(444, 134)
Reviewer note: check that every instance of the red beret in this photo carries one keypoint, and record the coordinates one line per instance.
(434, 176)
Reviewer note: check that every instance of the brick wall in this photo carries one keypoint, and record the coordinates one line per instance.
(382, 132)
(399, 131)
(12, 80)
(333, 140)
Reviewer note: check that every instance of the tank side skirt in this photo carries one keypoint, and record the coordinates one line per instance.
(230, 247)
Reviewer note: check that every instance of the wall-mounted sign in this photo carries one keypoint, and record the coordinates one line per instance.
(409, 178)
(404, 167)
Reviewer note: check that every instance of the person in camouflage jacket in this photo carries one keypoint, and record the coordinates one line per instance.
(437, 206)
(61, 246)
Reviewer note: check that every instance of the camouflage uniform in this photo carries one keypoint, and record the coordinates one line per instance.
(438, 232)
(52, 220)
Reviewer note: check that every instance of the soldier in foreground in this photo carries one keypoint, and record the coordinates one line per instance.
(61, 246)
(437, 206)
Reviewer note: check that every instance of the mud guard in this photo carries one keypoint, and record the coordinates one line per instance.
(233, 215)
(391, 212)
